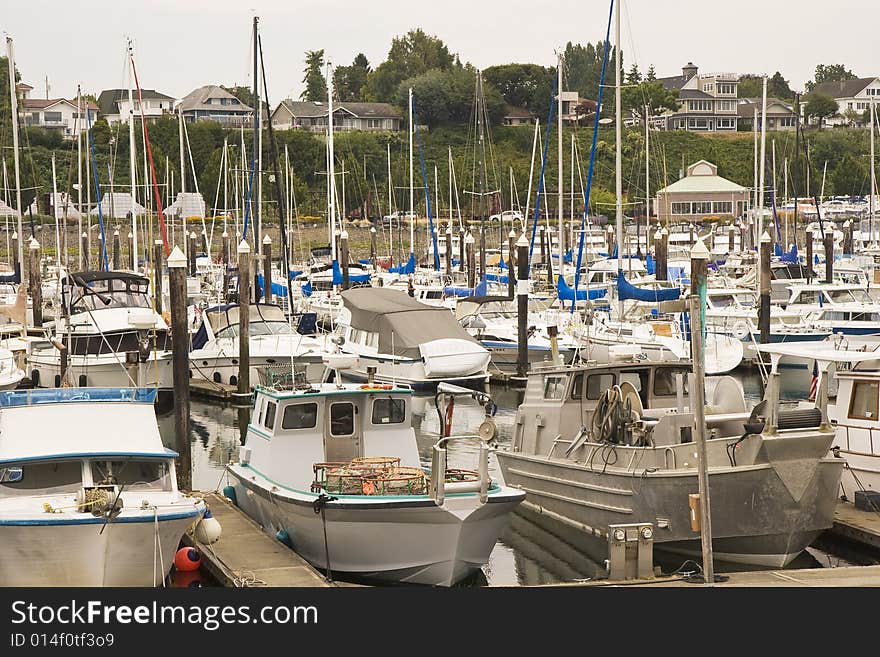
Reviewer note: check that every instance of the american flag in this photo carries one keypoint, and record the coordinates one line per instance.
(814, 383)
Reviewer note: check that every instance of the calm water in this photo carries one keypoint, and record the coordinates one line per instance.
(531, 550)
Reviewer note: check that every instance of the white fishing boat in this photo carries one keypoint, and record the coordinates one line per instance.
(273, 342)
(335, 470)
(113, 335)
(406, 341)
(88, 493)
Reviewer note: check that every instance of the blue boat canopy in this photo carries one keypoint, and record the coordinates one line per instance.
(626, 290)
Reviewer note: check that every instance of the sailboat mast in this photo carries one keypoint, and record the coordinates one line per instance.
(331, 180)
(618, 176)
(255, 195)
(14, 106)
(131, 160)
(390, 209)
(873, 183)
(763, 156)
(411, 197)
(482, 187)
(647, 181)
(559, 159)
(79, 171)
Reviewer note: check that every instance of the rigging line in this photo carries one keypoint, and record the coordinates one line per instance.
(97, 190)
(427, 195)
(577, 271)
(152, 166)
(543, 167)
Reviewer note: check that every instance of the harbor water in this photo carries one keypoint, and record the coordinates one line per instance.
(532, 550)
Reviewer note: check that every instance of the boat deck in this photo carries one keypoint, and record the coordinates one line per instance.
(245, 555)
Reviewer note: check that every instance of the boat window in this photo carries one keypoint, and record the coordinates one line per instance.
(389, 411)
(434, 294)
(300, 416)
(638, 378)
(268, 328)
(665, 384)
(807, 296)
(861, 296)
(141, 475)
(841, 296)
(269, 415)
(597, 384)
(577, 385)
(863, 404)
(48, 478)
(722, 300)
(341, 419)
(864, 317)
(554, 387)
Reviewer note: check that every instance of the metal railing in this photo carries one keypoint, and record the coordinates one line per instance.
(438, 486)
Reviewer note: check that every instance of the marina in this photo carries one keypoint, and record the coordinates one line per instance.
(220, 371)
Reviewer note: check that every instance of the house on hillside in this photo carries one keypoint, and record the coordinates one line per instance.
(700, 194)
(213, 103)
(707, 103)
(114, 106)
(54, 113)
(853, 95)
(517, 116)
(312, 116)
(780, 115)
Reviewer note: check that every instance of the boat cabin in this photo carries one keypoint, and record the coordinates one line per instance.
(292, 430)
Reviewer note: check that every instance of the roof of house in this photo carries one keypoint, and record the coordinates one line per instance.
(107, 101)
(702, 176)
(843, 88)
(513, 112)
(305, 109)
(197, 100)
(23, 85)
(693, 93)
(43, 103)
(674, 81)
(746, 107)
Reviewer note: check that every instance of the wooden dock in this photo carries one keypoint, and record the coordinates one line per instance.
(245, 555)
(856, 525)
(218, 392)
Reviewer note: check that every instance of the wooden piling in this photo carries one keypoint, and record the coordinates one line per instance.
(85, 261)
(343, 257)
(462, 261)
(244, 302)
(449, 252)
(809, 250)
(764, 285)
(482, 247)
(114, 258)
(731, 240)
(225, 293)
(829, 257)
(660, 268)
(471, 270)
(191, 253)
(373, 249)
(35, 281)
(511, 264)
(180, 365)
(522, 305)
(158, 253)
(16, 264)
(131, 260)
(267, 269)
(848, 237)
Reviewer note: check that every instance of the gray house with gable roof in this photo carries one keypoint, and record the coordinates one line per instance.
(312, 116)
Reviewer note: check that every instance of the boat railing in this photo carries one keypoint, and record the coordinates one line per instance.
(869, 430)
(439, 484)
(34, 396)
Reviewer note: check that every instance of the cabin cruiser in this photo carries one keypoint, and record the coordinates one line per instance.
(335, 469)
(597, 445)
(406, 341)
(88, 493)
(733, 311)
(845, 309)
(273, 342)
(113, 335)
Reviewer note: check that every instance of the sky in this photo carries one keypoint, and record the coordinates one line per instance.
(183, 44)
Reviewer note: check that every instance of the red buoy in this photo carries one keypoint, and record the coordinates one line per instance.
(187, 559)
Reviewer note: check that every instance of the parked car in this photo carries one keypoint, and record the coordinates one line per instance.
(507, 215)
(398, 216)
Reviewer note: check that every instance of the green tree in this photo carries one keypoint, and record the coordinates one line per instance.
(349, 81)
(522, 85)
(316, 85)
(830, 73)
(650, 76)
(653, 94)
(777, 87)
(750, 86)
(448, 97)
(584, 65)
(633, 76)
(853, 117)
(411, 55)
(820, 107)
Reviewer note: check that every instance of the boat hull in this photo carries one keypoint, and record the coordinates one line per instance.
(394, 539)
(755, 518)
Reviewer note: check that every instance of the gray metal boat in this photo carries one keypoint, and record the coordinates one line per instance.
(596, 445)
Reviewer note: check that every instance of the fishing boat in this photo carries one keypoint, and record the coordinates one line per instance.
(273, 342)
(113, 336)
(406, 341)
(88, 493)
(334, 469)
(597, 445)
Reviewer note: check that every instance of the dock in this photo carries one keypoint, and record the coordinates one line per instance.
(856, 525)
(218, 392)
(245, 555)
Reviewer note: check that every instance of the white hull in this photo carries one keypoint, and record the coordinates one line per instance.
(390, 539)
(105, 371)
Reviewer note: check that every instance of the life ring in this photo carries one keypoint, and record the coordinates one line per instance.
(741, 329)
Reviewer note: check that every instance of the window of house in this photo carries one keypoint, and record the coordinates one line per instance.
(722, 207)
(726, 105)
(341, 419)
(726, 88)
(863, 403)
(597, 384)
(701, 207)
(269, 415)
(52, 117)
(698, 124)
(786, 122)
(300, 416)
(681, 208)
(554, 387)
(701, 105)
(389, 411)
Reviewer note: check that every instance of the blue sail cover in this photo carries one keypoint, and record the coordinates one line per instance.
(306, 289)
(496, 278)
(408, 268)
(791, 256)
(650, 265)
(626, 290)
(478, 291)
(337, 276)
(278, 289)
(566, 293)
(502, 264)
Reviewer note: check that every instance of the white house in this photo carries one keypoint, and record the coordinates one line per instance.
(853, 95)
(114, 106)
(213, 103)
(54, 113)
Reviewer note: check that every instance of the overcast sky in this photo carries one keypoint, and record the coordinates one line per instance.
(183, 44)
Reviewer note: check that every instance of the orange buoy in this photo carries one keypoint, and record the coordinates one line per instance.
(186, 579)
(187, 559)
(368, 487)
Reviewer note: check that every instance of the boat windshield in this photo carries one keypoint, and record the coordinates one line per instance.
(110, 293)
(742, 301)
(133, 474)
(265, 319)
(41, 478)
